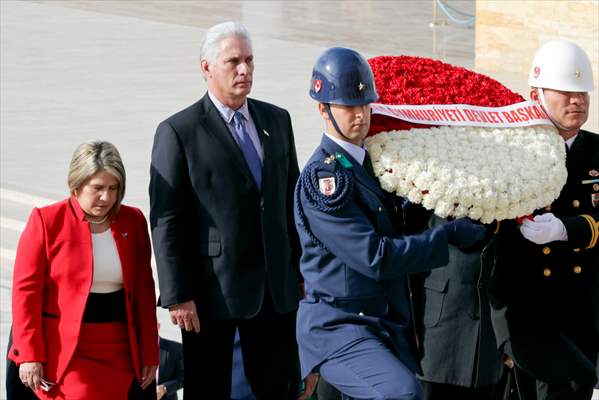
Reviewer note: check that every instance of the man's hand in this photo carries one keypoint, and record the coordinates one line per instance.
(148, 373)
(31, 374)
(186, 316)
(309, 386)
(543, 229)
(160, 391)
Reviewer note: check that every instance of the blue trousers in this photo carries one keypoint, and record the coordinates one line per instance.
(370, 370)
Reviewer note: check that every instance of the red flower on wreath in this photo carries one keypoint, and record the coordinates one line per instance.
(418, 81)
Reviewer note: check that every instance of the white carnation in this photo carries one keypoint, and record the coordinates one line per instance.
(482, 173)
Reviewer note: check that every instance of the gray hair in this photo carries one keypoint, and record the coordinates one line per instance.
(216, 34)
(92, 157)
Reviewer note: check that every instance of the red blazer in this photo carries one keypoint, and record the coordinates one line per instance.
(52, 278)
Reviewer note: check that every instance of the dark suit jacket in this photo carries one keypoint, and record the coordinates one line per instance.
(170, 373)
(218, 239)
(550, 287)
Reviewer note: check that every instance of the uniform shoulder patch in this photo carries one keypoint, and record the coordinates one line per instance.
(325, 185)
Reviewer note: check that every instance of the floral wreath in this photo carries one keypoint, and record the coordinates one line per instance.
(483, 173)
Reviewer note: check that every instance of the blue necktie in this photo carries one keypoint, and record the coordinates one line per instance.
(247, 148)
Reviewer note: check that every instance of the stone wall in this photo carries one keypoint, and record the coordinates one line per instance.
(509, 32)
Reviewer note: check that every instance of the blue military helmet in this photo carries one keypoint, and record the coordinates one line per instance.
(342, 76)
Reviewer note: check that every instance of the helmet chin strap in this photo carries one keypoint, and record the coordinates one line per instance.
(544, 104)
(327, 107)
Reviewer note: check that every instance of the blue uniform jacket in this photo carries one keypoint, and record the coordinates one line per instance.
(355, 261)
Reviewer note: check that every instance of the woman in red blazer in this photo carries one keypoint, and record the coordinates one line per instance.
(83, 300)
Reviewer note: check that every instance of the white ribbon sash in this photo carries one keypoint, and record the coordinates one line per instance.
(526, 113)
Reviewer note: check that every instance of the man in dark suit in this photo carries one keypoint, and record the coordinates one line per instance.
(356, 324)
(221, 191)
(544, 288)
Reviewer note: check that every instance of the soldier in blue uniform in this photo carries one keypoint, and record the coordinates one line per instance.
(355, 325)
(544, 289)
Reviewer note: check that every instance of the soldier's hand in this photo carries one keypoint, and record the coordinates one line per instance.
(463, 233)
(543, 229)
(186, 316)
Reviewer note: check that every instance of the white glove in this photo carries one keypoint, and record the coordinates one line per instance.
(543, 229)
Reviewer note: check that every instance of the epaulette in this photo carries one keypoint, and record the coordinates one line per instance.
(327, 185)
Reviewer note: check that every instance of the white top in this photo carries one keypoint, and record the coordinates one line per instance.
(108, 275)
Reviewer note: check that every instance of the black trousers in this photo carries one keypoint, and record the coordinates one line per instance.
(553, 366)
(441, 391)
(270, 357)
(326, 391)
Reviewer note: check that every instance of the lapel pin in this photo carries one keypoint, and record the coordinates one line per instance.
(329, 159)
(266, 133)
(125, 234)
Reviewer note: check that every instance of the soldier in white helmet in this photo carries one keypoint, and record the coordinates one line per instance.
(545, 286)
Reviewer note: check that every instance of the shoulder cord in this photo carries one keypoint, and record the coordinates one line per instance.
(308, 186)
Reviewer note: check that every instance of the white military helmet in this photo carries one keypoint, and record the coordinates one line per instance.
(561, 65)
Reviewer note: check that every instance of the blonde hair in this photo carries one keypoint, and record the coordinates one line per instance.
(96, 156)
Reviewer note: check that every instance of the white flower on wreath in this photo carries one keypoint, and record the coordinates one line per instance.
(486, 174)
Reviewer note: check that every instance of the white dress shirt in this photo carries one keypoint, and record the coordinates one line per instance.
(228, 114)
(357, 152)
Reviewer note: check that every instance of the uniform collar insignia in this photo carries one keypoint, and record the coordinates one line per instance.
(343, 160)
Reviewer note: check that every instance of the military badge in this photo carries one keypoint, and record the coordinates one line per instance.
(595, 200)
(594, 173)
(345, 163)
(327, 185)
(317, 85)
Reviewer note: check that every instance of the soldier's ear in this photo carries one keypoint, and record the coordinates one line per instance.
(323, 112)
